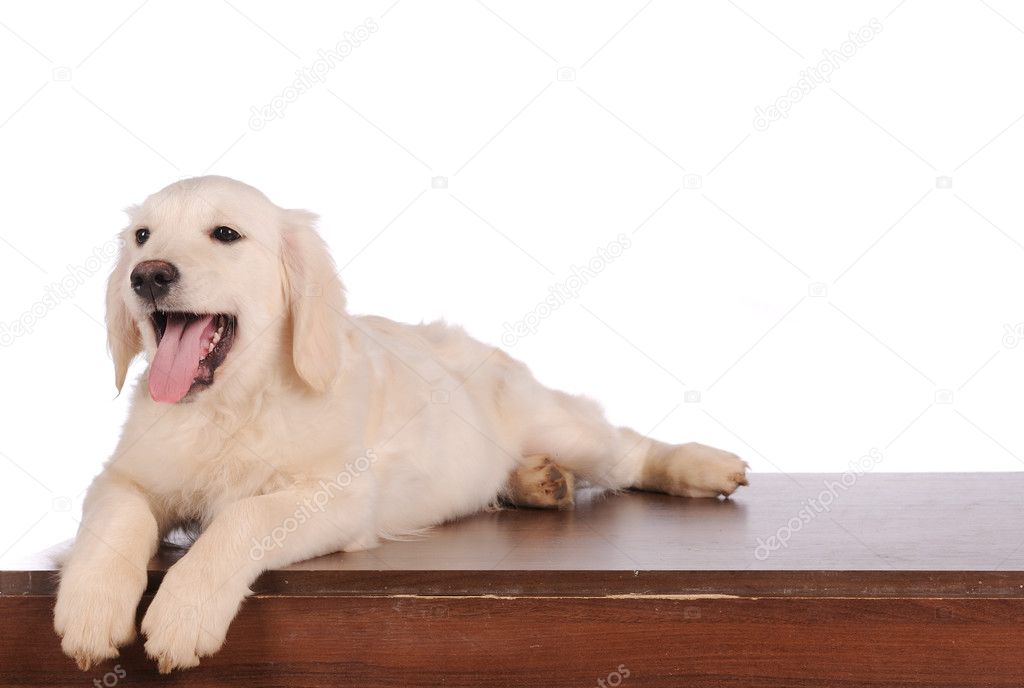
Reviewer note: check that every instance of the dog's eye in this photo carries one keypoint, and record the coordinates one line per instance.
(226, 234)
(141, 235)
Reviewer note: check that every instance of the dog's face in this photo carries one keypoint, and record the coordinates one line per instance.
(216, 283)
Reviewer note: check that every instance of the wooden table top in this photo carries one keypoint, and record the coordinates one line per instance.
(796, 534)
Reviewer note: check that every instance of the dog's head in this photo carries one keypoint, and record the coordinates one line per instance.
(215, 282)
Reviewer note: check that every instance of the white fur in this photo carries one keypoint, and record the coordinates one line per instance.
(322, 431)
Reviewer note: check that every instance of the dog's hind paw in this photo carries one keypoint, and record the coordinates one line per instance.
(538, 482)
(694, 470)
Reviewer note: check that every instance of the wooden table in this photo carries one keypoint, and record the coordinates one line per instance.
(890, 580)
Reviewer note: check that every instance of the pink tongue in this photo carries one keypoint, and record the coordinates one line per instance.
(177, 357)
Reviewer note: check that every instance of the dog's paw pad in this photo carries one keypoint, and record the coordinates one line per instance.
(539, 482)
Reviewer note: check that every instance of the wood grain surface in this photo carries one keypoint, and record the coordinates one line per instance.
(905, 580)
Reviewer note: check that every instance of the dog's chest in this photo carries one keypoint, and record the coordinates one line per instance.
(198, 467)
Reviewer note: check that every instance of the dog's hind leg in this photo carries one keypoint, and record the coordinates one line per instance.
(574, 434)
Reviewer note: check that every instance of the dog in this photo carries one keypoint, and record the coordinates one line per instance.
(288, 428)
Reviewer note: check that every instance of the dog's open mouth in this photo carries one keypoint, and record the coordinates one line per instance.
(190, 347)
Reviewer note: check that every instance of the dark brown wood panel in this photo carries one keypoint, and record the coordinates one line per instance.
(903, 580)
(465, 641)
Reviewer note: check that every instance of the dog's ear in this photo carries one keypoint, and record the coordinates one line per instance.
(123, 337)
(316, 301)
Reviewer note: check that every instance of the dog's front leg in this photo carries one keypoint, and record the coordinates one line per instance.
(105, 575)
(201, 594)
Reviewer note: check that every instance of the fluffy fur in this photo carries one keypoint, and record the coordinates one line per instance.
(321, 431)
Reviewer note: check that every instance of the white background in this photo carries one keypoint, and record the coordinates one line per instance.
(812, 284)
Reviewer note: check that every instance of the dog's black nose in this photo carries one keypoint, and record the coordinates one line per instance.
(152, 279)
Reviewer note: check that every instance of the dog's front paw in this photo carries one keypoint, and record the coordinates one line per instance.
(95, 612)
(187, 620)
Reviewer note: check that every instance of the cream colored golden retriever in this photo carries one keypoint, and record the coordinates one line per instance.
(288, 428)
